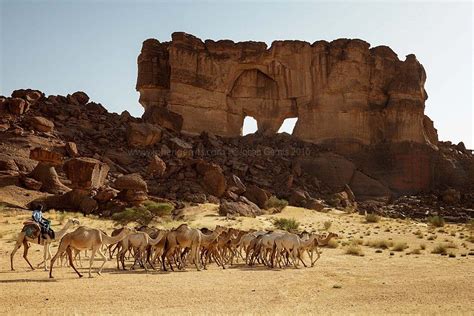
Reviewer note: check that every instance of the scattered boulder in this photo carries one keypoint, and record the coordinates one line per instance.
(366, 188)
(71, 149)
(29, 95)
(131, 182)
(17, 106)
(31, 183)
(451, 196)
(41, 124)
(315, 204)
(106, 194)
(78, 98)
(213, 179)
(47, 156)
(181, 148)
(156, 166)
(143, 134)
(239, 209)
(256, 195)
(164, 117)
(86, 173)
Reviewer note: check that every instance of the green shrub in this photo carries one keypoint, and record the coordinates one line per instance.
(159, 209)
(287, 224)
(143, 214)
(436, 221)
(274, 202)
(372, 218)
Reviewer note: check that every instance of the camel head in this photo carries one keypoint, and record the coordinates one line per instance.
(73, 221)
(220, 229)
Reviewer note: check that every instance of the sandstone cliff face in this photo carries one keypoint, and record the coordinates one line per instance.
(343, 92)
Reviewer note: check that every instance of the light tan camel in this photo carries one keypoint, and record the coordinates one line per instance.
(318, 242)
(24, 240)
(86, 238)
(139, 241)
(292, 245)
(179, 239)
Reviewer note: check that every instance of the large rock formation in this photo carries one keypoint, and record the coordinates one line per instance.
(362, 102)
(340, 91)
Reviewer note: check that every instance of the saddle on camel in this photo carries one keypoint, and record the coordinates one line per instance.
(39, 226)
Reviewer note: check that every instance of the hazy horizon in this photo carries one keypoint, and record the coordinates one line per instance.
(92, 46)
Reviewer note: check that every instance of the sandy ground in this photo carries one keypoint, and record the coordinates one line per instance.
(374, 283)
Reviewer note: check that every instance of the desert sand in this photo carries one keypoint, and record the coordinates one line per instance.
(372, 283)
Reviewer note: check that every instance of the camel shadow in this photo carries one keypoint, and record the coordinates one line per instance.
(27, 281)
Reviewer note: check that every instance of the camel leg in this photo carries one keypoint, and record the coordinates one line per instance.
(18, 244)
(91, 261)
(195, 252)
(103, 258)
(318, 254)
(62, 248)
(71, 261)
(25, 253)
(301, 259)
(45, 256)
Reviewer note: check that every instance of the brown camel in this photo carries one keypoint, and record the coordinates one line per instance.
(179, 239)
(140, 242)
(87, 238)
(33, 231)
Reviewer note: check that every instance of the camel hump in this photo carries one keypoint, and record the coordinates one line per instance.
(29, 222)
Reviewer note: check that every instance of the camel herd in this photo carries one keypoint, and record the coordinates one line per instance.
(174, 249)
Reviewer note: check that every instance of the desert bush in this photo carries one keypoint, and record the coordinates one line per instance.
(143, 214)
(274, 202)
(287, 224)
(400, 246)
(372, 218)
(354, 249)
(440, 249)
(327, 225)
(422, 246)
(436, 221)
(380, 244)
(332, 243)
(416, 251)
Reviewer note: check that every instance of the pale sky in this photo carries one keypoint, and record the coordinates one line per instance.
(63, 46)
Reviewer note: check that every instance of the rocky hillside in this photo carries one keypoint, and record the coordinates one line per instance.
(99, 162)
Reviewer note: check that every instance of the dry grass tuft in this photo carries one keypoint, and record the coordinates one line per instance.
(354, 249)
(288, 224)
(436, 221)
(400, 246)
(372, 218)
(380, 244)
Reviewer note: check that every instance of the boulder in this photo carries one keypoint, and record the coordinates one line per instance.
(256, 195)
(106, 194)
(239, 209)
(78, 98)
(41, 124)
(366, 188)
(212, 178)
(333, 170)
(17, 106)
(156, 166)
(236, 185)
(31, 183)
(86, 173)
(298, 198)
(181, 148)
(46, 174)
(131, 182)
(315, 204)
(71, 149)
(133, 196)
(47, 156)
(31, 96)
(143, 134)
(164, 117)
(451, 196)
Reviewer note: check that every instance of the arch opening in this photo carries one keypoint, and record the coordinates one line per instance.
(249, 126)
(288, 125)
